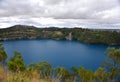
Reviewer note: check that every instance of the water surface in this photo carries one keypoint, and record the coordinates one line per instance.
(58, 53)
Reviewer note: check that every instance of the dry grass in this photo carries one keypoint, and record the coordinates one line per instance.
(27, 76)
(2, 74)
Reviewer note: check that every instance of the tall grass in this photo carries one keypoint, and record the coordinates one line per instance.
(26, 76)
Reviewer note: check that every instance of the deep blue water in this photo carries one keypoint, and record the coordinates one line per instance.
(58, 53)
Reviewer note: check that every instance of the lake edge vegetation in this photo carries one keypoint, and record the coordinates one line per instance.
(15, 70)
(91, 36)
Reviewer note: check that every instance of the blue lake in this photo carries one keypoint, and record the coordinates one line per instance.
(58, 53)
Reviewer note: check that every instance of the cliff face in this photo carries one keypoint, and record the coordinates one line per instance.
(69, 37)
(84, 35)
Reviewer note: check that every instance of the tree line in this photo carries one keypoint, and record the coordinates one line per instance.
(108, 72)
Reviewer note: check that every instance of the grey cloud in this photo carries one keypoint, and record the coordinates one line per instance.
(83, 11)
(21, 7)
(52, 2)
(72, 9)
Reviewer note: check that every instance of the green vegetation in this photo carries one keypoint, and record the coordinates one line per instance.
(3, 56)
(44, 72)
(16, 63)
(109, 37)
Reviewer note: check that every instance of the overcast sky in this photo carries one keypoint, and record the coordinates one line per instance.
(62, 13)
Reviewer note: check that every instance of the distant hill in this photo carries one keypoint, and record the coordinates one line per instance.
(92, 36)
(20, 27)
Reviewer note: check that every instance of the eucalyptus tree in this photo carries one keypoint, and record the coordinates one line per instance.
(89, 76)
(81, 73)
(45, 69)
(59, 73)
(33, 66)
(62, 74)
(112, 65)
(3, 55)
(101, 75)
(16, 63)
(74, 73)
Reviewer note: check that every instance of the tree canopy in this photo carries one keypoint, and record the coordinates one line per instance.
(16, 63)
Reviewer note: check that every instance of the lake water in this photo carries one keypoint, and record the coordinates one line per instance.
(58, 53)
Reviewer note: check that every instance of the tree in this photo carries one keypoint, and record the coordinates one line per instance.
(3, 55)
(33, 66)
(89, 76)
(86, 75)
(112, 65)
(74, 73)
(81, 73)
(43, 68)
(101, 75)
(16, 63)
(62, 74)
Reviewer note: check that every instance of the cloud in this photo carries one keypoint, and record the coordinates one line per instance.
(61, 13)
(20, 8)
(52, 2)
